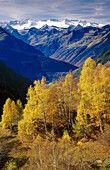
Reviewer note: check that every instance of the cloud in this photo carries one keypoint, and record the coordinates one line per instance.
(45, 9)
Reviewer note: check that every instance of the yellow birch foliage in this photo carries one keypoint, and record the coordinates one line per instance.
(68, 91)
(101, 94)
(85, 88)
(94, 87)
(52, 109)
(9, 114)
(34, 113)
(19, 109)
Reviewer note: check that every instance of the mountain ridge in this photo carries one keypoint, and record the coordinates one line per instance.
(28, 61)
(60, 23)
(69, 45)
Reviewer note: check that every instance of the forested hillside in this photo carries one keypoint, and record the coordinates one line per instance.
(103, 57)
(64, 125)
(12, 85)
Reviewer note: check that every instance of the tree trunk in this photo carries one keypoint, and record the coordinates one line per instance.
(44, 119)
(100, 123)
(53, 145)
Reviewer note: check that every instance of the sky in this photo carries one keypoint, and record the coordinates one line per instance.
(89, 10)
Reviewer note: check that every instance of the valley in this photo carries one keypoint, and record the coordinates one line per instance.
(72, 44)
(55, 95)
(28, 61)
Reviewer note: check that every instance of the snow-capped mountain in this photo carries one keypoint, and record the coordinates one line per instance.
(29, 23)
(71, 41)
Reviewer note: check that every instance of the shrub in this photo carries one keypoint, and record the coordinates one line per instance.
(11, 165)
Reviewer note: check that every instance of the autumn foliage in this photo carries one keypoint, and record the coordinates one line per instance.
(94, 87)
(12, 113)
(64, 105)
(59, 116)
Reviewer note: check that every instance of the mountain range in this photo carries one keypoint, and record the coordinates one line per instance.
(19, 57)
(28, 61)
(52, 23)
(73, 42)
(34, 49)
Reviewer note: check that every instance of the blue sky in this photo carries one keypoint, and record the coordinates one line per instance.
(90, 10)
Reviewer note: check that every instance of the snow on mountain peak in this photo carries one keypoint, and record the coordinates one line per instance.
(29, 23)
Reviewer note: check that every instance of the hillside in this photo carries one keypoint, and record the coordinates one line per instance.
(68, 120)
(12, 85)
(90, 155)
(8, 41)
(103, 57)
(68, 44)
(27, 61)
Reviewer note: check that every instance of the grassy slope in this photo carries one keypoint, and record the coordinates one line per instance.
(91, 154)
(11, 148)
